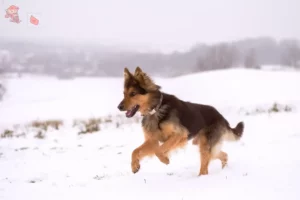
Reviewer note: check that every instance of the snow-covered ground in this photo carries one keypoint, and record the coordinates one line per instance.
(64, 165)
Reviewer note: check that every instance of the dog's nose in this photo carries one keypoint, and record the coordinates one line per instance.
(121, 106)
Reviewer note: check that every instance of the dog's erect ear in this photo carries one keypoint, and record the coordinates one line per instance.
(127, 74)
(138, 70)
(128, 77)
(144, 80)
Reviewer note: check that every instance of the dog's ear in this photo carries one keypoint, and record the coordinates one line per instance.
(128, 77)
(127, 74)
(138, 70)
(144, 80)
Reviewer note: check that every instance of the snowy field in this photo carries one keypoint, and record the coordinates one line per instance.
(63, 164)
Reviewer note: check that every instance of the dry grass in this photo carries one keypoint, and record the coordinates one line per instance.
(7, 134)
(93, 125)
(40, 134)
(274, 108)
(88, 126)
(44, 125)
(40, 128)
(280, 108)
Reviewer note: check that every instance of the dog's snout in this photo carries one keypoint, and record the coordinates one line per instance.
(121, 106)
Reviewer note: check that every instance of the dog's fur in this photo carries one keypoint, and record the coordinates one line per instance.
(173, 122)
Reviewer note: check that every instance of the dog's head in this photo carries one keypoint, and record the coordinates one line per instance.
(140, 93)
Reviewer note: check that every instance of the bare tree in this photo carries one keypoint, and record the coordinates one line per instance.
(2, 91)
(2, 88)
(69, 60)
(291, 53)
(222, 56)
(250, 60)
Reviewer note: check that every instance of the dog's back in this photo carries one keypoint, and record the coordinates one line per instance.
(195, 117)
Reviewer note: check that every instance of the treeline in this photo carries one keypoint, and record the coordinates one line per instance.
(66, 61)
(251, 53)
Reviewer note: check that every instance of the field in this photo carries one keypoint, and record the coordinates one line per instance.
(67, 163)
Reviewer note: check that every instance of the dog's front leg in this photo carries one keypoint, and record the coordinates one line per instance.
(149, 147)
(174, 142)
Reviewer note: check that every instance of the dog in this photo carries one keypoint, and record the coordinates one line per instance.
(172, 122)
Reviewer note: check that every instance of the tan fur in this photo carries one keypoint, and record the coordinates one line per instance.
(148, 148)
(216, 150)
(205, 155)
(142, 100)
(173, 137)
(229, 136)
(223, 157)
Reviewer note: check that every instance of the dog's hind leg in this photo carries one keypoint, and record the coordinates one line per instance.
(205, 154)
(223, 157)
(210, 144)
(227, 134)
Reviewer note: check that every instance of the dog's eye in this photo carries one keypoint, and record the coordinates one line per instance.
(132, 94)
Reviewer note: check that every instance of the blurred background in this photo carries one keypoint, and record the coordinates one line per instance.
(166, 38)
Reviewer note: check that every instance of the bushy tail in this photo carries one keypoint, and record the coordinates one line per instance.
(239, 129)
(235, 133)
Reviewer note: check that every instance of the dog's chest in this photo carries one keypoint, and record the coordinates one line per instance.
(151, 125)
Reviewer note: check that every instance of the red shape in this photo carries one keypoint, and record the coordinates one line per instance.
(34, 20)
(13, 7)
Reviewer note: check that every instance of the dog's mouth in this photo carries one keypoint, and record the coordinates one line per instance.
(132, 111)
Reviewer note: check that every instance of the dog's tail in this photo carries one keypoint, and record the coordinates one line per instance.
(234, 134)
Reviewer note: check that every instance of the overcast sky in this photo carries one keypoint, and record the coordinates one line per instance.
(157, 24)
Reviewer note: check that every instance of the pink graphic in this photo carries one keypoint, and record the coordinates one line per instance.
(34, 20)
(12, 13)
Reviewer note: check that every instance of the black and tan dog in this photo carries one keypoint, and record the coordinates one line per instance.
(173, 122)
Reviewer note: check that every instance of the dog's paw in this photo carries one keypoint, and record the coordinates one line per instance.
(164, 159)
(203, 172)
(224, 164)
(135, 166)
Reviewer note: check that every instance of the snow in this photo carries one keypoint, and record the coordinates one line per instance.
(64, 165)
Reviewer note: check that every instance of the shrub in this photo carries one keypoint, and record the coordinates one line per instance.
(7, 134)
(44, 125)
(39, 128)
(89, 126)
(274, 108)
(40, 135)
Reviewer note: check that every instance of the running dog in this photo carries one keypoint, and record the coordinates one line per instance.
(173, 122)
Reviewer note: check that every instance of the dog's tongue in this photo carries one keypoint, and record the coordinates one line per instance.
(129, 113)
(132, 111)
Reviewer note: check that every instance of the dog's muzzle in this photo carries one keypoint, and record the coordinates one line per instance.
(121, 106)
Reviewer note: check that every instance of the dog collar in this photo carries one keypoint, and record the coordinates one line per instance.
(153, 111)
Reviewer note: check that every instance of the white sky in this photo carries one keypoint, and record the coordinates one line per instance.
(157, 24)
